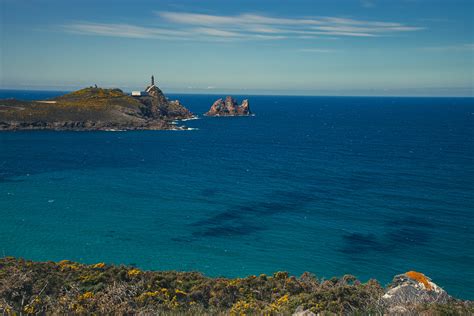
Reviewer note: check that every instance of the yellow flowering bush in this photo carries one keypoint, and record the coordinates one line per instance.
(278, 306)
(178, 291)
(133, 272)
(85, 296)
(99, 265)
(67, 265)
(243, 308)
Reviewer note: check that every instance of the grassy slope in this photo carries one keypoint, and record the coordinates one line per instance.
(67, 287)
(89, 104)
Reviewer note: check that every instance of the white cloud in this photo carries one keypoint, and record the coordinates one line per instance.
(215, 32)
(248, 26)
(255, 24)
(122, 30)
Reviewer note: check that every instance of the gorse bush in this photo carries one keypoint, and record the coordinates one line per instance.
(67, 287)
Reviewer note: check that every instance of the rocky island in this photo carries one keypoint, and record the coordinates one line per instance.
(95, 108)
(229, 107)
(66, 287)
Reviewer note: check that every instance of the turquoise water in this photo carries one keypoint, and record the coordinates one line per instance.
(367, 186)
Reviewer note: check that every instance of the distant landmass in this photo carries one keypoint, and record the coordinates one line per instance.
(95, 108)
(229, 107)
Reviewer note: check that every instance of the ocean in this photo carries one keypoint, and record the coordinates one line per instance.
(369, 186)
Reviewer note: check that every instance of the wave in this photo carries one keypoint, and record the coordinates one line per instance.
(190, 119)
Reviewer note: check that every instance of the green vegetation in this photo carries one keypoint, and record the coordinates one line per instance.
(97, 97)
(90, 104)
(67, 287)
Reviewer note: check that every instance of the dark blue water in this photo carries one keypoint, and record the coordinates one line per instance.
(367, 186)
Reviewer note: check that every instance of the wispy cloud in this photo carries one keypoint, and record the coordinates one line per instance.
(459, 47)
(254, 23)
(247, 26)
(122, 30)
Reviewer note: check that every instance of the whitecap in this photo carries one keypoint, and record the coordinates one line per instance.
(190, 119)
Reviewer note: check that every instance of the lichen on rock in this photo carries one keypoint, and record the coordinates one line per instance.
(412, 289)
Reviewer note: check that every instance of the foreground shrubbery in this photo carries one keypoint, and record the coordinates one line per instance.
(67, 287)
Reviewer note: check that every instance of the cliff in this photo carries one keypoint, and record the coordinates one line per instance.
(158, 106)
(229, 107)
(92, 109)
(67, 287)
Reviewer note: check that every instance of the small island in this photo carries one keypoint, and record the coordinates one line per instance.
(95, 108)
(229, 107)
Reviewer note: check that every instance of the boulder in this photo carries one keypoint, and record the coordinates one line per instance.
(300, 311)
(412, 289)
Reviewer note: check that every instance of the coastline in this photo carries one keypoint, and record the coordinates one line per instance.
(69, 287)
(94, 109)
(72, 127)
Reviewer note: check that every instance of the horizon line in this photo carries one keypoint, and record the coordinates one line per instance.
(276, 93)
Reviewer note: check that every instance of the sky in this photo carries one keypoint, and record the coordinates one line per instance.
(307, 47)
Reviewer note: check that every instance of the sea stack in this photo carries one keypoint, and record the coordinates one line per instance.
(229, 107)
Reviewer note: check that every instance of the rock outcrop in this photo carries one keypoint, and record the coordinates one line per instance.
(300, 311)
(229, 107)
(412, 289)
(158, 105)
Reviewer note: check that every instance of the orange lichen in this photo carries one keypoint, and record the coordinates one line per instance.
(420, 277)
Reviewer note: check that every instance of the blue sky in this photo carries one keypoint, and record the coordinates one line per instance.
(357, 47)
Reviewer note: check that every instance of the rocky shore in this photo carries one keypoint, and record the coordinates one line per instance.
(87, 126)
(229, 107)
(94, 109)
(66, 287)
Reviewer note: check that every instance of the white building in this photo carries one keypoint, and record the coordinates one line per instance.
(139, 93)
(146, 92)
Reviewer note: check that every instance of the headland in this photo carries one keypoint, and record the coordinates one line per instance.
(95, 108)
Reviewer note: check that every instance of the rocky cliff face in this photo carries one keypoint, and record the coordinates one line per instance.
(158, 106)
(229, 107)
